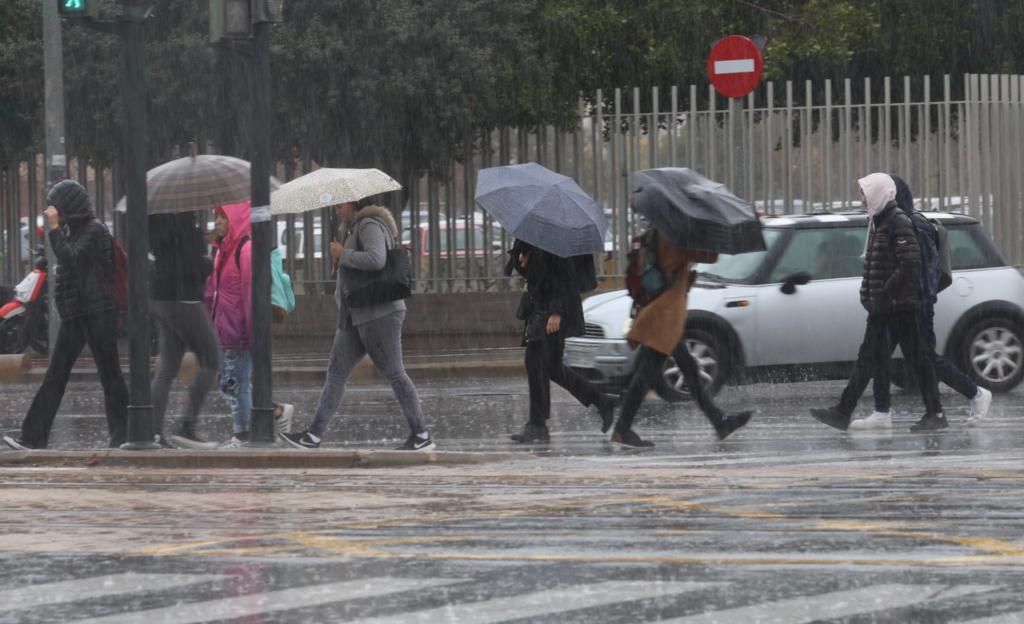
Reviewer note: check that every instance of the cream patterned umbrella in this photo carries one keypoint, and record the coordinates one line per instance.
(328, 187)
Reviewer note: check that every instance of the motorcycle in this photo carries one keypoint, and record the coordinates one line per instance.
(24, 315)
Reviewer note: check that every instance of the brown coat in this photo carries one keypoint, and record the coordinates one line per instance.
(661, 323)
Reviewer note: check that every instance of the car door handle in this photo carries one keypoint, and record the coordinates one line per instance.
(738, 303)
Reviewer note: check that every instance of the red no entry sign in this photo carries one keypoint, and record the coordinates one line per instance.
(735, 66)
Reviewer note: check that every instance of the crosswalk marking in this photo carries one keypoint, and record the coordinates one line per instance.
(542, 603)
(827, 606)
(95, 587)
(269, 602)
(1005, 618)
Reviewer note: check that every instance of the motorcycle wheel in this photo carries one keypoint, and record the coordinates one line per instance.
(13, 338)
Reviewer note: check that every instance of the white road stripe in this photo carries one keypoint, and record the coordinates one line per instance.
(738, 66)
(44, 594)
(1005, 618)
(269, 602)
(827, 606)
(542, 603)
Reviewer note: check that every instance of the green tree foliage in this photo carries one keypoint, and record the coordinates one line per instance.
(403, 84)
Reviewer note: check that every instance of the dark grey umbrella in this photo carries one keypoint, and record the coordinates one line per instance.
(543, 208)
(696, 213)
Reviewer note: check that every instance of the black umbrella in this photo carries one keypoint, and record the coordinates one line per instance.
(696, 213)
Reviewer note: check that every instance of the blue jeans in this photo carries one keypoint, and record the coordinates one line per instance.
(236, 385)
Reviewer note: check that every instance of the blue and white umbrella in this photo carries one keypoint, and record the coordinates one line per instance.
(543, 208)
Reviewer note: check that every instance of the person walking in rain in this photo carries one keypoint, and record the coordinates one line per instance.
(891, 294)
(552, 311)
(658, 328)
(374, 330)
(179, 274)
(930, 283)
(84, 249)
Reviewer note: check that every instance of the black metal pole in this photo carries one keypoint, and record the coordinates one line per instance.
(262, 432)
(140, 407)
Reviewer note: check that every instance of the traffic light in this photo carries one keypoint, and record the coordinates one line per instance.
(78, 8)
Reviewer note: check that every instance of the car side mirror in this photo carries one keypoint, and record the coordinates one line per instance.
(792, 281)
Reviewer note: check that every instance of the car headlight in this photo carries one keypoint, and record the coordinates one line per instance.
(628, 325)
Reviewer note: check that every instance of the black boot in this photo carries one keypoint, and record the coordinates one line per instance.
(832, 417)
(732, 423)
(930, 422)
(606, 408)
(532, 433)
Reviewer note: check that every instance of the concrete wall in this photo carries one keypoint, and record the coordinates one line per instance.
(433, 321)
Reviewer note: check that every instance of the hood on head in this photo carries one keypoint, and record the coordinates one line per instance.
(239, 223)
(879, 190)
(71, 200)
(904, 198)
(377, 212)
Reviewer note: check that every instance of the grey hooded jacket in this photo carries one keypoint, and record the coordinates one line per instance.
(370, 234)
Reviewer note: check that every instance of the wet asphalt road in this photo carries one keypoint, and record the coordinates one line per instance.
(787, 522)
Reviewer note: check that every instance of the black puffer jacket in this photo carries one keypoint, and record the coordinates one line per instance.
(892, 264)
(85, 254)
(551, 288)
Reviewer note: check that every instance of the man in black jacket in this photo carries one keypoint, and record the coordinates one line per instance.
(891, 294)
(85, 275)
(552, 311)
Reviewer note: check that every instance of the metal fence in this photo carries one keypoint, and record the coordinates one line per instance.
(789, 148)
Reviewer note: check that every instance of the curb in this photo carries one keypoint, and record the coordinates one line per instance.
(249, 459)
(315, 374)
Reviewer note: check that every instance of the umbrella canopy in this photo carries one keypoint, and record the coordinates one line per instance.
(543, 208)
(196, 183)
(328, 187)
(696, 213)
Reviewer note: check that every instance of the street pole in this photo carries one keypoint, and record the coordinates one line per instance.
(56, 157)
(262, 430)
(140, 407)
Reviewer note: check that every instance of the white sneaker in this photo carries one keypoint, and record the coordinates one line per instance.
(979, 407)
(283, 423)
(877, 420)
(233, 443)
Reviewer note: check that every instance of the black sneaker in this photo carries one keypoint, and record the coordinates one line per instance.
(532, 433)
(630, 439)
(17, 444)
(930, 422)
(300, 440)
(832, 417)
(732, 423)
(416, 443)
(186, 438)
(607, 411)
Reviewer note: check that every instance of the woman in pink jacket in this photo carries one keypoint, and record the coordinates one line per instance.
(229, 299)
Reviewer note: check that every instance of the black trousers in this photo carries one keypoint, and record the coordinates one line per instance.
(945, 371)
(99, 331)
(907, 328)
(544, 365)
(648, 369)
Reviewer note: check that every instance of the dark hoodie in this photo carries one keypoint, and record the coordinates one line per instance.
(182, 264)
(84, 251)
(551, 288)
(932, 280)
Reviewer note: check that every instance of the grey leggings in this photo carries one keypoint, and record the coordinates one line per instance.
(381, 339)
(183, 327)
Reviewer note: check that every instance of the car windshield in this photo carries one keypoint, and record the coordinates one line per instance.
(741, 266)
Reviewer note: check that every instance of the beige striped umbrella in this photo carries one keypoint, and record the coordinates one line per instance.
(197, 183)
(329, 187)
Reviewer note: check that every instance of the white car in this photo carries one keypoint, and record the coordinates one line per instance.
(794, 310)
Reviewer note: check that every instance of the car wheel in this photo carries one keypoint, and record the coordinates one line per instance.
(992, 353)
(712, 359)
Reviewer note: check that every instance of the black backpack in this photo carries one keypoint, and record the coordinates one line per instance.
(933, 239)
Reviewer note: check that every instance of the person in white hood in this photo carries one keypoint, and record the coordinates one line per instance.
(890, 293)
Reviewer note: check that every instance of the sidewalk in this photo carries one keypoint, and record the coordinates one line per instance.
(255, 458)
(301, 369)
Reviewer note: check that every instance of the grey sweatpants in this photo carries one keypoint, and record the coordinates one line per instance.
(381, 339)
(183, 326)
